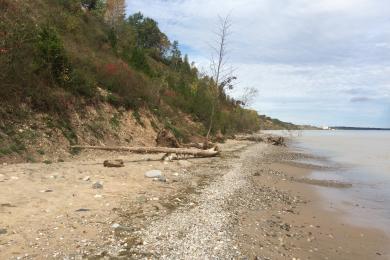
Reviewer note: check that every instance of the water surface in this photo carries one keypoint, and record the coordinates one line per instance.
(362, 158)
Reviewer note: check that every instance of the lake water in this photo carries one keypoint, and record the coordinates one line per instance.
(361, 158)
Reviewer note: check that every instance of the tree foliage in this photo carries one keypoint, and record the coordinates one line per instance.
(72, 49)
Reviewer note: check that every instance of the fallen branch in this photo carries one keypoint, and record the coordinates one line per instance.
(114, 163)
(193, 152)
(271, 139)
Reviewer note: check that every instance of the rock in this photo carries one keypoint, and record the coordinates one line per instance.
(3, 231)
(2, 177)
(97, 185)
(115, 225)
(153, 174)
(46, 191)
(162, 179)
(184, 163)
(82, 210)
(118, 227)
(114, 163)
(87, 178)
(5, 164)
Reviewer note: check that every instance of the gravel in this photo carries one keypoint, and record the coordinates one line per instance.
(203, 231)
(205, 224)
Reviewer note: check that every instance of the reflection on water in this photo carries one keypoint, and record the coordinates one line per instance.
(364, 157)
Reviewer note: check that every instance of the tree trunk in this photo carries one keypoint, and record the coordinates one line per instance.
(194, 152)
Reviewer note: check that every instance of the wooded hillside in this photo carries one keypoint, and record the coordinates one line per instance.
(59, 57)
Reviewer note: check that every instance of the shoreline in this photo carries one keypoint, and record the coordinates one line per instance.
(246, 203)
(316, 229)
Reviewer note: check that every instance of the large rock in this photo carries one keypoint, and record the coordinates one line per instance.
(153, 174)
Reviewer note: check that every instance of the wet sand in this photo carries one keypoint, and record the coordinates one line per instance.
(314, 229)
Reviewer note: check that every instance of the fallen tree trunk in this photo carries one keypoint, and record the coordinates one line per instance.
(194, 152)
(271, 139)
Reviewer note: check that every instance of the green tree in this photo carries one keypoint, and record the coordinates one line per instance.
(148, 34)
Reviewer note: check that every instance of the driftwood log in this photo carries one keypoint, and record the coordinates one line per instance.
(114, 163)
(182, 151)
(271, 139)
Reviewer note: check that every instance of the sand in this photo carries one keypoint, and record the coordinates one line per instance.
(246, 204)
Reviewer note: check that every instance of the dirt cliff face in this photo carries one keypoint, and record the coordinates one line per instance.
(41, 137)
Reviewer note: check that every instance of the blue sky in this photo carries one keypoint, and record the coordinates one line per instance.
(321, 62)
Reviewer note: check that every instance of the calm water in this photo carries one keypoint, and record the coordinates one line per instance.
(361, 158)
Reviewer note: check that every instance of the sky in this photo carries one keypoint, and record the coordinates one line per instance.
(318, 62)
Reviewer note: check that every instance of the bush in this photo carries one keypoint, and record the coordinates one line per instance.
(51, 55)
(81, 84)
(138, 61)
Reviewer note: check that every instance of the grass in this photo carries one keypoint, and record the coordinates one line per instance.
(29, 158)
(115, 121)
(137, 118)
(97, 129)
(47, 162)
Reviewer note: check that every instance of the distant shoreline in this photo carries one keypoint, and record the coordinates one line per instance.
(357, 128)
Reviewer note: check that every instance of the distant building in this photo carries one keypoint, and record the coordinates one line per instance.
(325, 128)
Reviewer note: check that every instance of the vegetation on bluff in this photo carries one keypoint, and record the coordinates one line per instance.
(60, 56)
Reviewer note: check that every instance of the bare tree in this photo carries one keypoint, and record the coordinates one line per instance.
(115, 12)
(221, 73)
(248, 96)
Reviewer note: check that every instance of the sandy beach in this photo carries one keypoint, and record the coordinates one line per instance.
(253, 202)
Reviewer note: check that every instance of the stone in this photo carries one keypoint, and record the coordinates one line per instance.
(2, 177)
(115, 225)
(82, 210)
(87, 178)
(46, 191)
(161, 179)
(97, 185)
(3, 231)
(153, 174)
(119, 227)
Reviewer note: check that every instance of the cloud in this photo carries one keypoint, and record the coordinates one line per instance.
(323, 53)
(360, 99)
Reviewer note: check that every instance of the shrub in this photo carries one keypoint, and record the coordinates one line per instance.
(138, 61)
(51, 55)
(83, 84)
